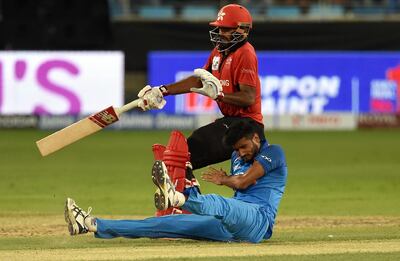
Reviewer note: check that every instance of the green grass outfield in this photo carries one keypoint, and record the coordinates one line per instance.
(342, 199)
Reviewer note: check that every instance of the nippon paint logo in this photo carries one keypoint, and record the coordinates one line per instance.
(384, 93)
(289, 94)
(280, 95)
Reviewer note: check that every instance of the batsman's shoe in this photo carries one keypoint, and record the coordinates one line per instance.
(79, 222)
(190, 179)
(165, 196)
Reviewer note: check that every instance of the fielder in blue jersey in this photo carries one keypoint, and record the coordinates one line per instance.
(258, 176)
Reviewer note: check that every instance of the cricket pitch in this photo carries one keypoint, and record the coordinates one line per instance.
(53, 226)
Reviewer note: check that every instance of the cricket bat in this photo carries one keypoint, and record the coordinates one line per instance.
(82, 128)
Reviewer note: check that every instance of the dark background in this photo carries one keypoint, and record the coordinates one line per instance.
(137, 38)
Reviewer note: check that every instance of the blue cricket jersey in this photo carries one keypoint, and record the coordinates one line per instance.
(268, 189)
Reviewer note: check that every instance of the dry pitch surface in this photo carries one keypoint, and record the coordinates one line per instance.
(54, 226)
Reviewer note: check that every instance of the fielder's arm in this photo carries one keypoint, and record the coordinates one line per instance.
(219, 177)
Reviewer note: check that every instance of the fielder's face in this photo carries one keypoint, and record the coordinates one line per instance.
(247, 148)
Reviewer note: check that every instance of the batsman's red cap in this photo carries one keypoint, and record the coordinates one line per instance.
(232, 16)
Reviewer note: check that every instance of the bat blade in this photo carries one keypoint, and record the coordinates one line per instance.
(77, 131)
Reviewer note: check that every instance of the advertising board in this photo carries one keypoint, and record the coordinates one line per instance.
(54, 83)
(297, 82)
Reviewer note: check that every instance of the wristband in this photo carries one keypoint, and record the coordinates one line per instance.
(164, 90)
(220, 97)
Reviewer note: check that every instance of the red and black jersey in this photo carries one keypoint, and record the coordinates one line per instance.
(238, 67)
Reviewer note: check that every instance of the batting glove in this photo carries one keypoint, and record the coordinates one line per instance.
(211, 85)
(151, 98)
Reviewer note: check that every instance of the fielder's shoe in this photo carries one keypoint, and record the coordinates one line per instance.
(165, 196)
(79, 222)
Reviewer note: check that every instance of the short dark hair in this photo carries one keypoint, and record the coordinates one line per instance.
(237, 130)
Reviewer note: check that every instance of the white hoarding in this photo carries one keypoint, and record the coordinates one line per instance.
(60, 82)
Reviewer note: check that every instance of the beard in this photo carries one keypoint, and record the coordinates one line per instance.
(223, 46)
(254, 150)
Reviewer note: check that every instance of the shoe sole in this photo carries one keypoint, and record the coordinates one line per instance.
(69, 217)
(158, 177)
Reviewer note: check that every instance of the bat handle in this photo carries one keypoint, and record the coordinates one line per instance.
(128, 106)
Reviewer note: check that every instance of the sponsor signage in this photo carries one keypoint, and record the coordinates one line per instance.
(148, 121)
(127, 121)
(50, 122)
(379, 121)
(328, 121)
(54, 83)
(297, 82)
(18, 121)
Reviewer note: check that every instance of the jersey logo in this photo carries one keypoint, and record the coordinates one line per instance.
(236, 163)
(249, 71)
(215, 63)
(237, 174)
(266, 158)
(236, 167)
(228, 61)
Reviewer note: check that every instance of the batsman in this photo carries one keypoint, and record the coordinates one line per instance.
(230, 77)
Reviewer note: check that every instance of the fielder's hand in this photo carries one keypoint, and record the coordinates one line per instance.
(211, 85)
(213, 175)
(151, 98)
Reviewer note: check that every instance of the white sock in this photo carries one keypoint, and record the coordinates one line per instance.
(179, 199)
(91, 224)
